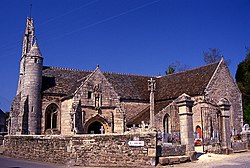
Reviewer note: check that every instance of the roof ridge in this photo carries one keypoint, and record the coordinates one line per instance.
(127, 74)
(190, 69)
(69, 69)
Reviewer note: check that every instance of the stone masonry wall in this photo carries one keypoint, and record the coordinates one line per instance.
(85, 150)
(223, 86)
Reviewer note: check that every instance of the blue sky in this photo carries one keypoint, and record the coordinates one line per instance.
(127, 36)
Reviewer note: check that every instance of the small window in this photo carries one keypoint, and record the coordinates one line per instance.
(35, 60)
(89, 95)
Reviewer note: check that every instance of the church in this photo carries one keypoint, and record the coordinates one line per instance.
(62, 101)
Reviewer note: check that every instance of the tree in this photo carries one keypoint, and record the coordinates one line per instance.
(176, 67)
(213, 55)
(242, 77)
(171, 69)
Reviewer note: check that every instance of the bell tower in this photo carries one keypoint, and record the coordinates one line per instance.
(27, 44)
(30, 83)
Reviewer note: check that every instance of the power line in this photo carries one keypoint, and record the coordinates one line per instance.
(105, 20)
(89, 25)
(12, 45)
(69, 12)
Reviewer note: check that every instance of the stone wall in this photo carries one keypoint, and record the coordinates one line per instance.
(85, 150)
(173, 150)
(240, 146)
(223, 85)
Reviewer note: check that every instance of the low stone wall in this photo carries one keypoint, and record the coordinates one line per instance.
(240, 146)
(173, 150)
(84, 150)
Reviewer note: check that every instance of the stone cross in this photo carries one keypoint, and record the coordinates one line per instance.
(151, 85)
(151, 88)
(102, 130)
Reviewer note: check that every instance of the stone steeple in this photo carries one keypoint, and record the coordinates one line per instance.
(27, 44)
(28, 36)
(30, 83)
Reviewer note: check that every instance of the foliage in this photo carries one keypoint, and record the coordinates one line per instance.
(176, 67)
(213, 55)
(171, 69)
(242, 77)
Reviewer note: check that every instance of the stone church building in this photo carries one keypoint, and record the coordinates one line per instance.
(51, 100)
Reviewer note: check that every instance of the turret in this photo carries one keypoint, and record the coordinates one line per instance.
(32, 88)
(27, 44)
(29, 85)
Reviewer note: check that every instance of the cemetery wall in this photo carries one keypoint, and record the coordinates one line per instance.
(84, 150)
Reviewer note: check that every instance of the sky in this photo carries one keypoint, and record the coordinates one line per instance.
(125, 36)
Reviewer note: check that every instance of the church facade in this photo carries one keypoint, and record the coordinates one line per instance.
(63, 101)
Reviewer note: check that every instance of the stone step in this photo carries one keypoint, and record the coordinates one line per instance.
(169, 160)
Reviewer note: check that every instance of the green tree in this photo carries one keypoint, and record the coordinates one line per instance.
(171, 69)
(242, 77)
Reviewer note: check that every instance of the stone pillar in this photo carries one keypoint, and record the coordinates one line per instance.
(225, 122)
(151, 88)
(118, 119)
(185, 105)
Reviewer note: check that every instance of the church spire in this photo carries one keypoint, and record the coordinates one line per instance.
(28, 36)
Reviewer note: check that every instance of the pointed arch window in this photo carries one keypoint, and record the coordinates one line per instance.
(51, 116)
(167, 124)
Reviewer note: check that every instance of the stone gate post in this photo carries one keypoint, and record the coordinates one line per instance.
(185, 105)
(225, 130)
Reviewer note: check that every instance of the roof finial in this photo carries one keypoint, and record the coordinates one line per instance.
(97, 65)
(30, 10)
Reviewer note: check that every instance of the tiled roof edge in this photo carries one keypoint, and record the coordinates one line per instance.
(127, 74)
(189, 69)
(68, 69)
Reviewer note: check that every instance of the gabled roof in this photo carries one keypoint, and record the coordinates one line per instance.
(131, 87)
(62, 81)
(192, 82)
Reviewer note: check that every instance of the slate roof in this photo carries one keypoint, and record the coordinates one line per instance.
(62, 81)
(129, 86)
(192, 82)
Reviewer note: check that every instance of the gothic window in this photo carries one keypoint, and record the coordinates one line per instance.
(51, 116)
(167, 124)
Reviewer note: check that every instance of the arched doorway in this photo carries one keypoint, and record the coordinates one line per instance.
(96, 128)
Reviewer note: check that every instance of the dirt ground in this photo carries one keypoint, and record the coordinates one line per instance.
(210, 160)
